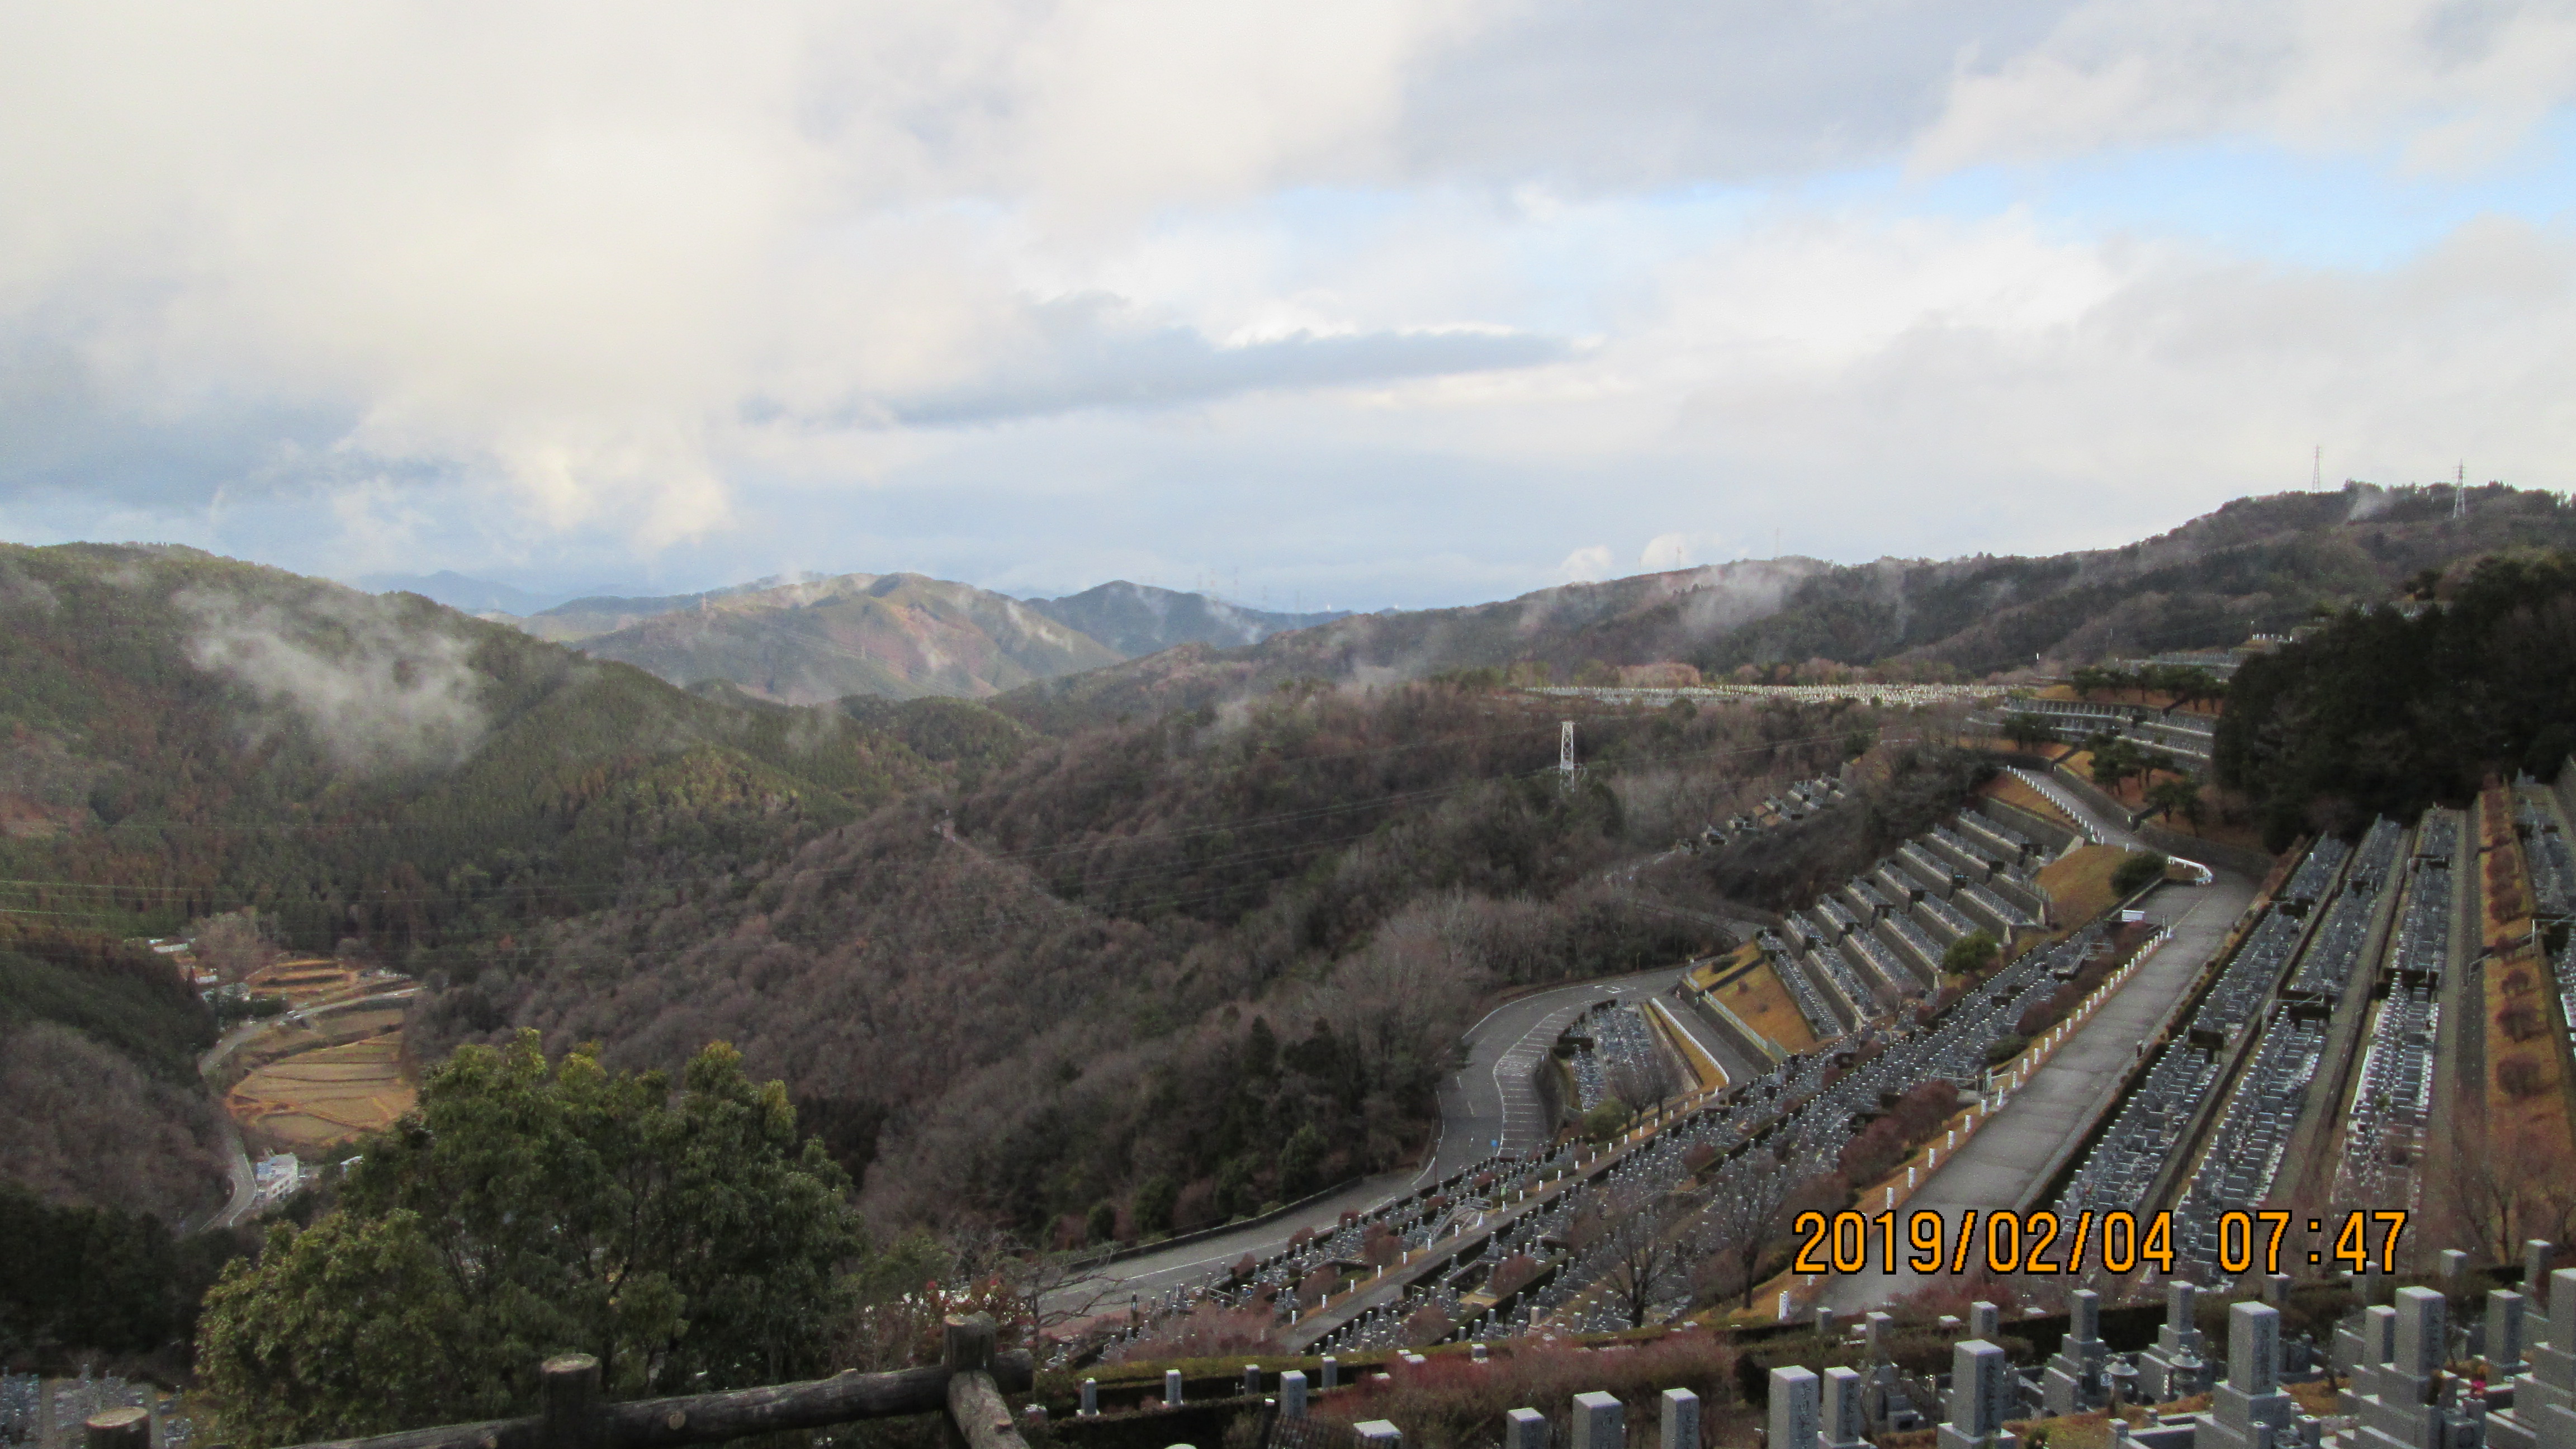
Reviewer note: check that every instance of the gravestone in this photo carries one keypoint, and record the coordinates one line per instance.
(2543, 1412)
(2504, 1333)
(1980, 1395)
(1525, 1429)
(1172, 1387)
(2248, 1411)
(1292, 1394)
(2176, 1365)
(1680, 1422)
(1600, 1422)
(1797, 1409)
(2072, 1381)
(2393, 1399)
(1846, 1412)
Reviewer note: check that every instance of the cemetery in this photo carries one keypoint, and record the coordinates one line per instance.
(2305, 1062)
(2189, 738)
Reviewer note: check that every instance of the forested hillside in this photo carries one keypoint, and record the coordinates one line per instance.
(1166, 971)
(189, 735)
(2256, 565)
(2382, 714)
(1139, 619)
(99, 1098)
(898, 636)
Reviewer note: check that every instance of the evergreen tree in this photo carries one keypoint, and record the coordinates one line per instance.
(530, 1209)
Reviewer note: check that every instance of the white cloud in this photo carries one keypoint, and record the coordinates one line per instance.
(1368, 296)
(1668, 551)
(1588, 565)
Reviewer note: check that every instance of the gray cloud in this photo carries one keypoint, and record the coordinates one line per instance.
(1667, 92)
(1082, 363)
(64, 428)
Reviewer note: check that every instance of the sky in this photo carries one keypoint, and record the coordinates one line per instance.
(1350, 303)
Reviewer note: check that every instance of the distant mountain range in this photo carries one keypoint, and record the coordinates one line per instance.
(461, 591)
(2255, 565)
(813, 639)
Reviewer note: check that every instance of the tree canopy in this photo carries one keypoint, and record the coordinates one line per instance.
(1970, 954)
(2382, 714)
(533, 1208)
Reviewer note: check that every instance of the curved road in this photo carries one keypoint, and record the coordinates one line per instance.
(1489, 1105)
(245, 1186)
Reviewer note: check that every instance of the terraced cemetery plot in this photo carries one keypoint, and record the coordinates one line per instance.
(2012, 790)
(2527, 1086)
(1762, 1003)
(325, 1097)
(1707, 974)
(2079, 886)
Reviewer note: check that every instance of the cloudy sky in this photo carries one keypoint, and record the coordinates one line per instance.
(1349, 302)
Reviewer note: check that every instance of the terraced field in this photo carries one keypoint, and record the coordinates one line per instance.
(316, 1100)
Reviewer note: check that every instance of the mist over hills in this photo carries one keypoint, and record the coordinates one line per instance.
(2257, 565)
(1086, 893)
(191, 735)
(1137, 619)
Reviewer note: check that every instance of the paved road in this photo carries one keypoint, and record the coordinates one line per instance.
(1488, 1105)
(2016, 1153)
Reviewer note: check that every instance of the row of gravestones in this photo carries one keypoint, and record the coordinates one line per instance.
(2398, 1395)
(1600, 1421)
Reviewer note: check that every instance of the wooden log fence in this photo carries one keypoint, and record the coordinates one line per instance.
(967, 1386)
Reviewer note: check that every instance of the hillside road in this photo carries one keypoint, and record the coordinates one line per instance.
(1488, 1105)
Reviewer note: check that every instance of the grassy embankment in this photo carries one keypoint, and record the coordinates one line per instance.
(1762, 1001)
(2529, 1081)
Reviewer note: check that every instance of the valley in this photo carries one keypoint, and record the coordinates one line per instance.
(1259, 992)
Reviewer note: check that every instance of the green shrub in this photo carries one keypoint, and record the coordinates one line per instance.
(1606, 1121)
(2139, 871)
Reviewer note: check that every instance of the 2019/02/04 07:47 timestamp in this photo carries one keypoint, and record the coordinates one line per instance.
(2011, 1242)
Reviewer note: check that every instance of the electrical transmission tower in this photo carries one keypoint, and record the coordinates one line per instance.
(2460, 492)
(2317, 470)
(1566, 768)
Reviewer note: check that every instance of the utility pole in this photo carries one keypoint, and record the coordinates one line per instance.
(2317, 470)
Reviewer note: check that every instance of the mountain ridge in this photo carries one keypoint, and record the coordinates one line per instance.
(812, 639)
(2254, 565)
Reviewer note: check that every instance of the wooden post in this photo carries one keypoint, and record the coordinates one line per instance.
(968, 1343)
(118, 1429)
(571, 1416)
(978, 1416)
